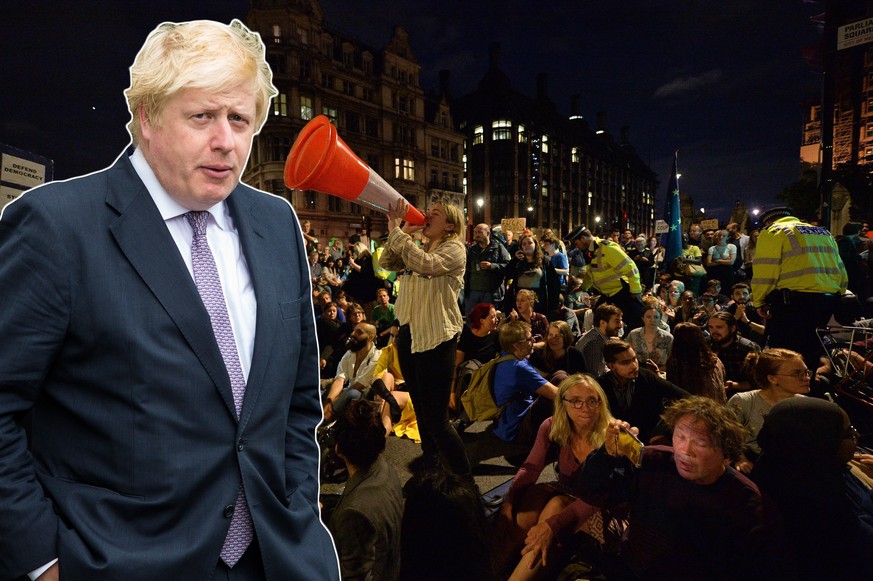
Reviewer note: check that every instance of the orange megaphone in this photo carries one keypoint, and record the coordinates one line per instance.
(320, 160)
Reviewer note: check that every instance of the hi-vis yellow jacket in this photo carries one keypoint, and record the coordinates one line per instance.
(608, 267)
(796, 256)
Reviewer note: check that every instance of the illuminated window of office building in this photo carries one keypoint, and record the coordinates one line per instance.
(330, 112)
(502, 130)
(545, 144)
(280, 105)
(306, 108)
(404, 169)
(478, 135)
(522, 134)
(590, 198)
(277, 34)
(575, 155)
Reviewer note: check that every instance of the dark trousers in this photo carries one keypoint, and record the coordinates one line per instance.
(794, 319)
(428, 377)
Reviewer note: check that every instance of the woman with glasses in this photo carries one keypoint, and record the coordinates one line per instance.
(778, 374)
(547, 509)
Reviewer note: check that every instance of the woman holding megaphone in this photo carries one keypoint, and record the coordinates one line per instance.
(430, 320)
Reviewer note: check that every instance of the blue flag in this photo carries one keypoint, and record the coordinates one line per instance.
(672, 240)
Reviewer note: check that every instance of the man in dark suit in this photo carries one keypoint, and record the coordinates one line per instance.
(636, 395)
(157, 321)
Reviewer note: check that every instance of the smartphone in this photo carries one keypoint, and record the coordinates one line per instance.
(631, 447)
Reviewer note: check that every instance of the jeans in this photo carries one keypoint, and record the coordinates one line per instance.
(429, 379)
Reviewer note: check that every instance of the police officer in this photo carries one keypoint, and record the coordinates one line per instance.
(798, 278)
(613, 273)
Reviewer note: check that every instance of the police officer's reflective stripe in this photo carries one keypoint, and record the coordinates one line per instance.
(757, 280)
(760, 261)
(809, 271)
(817, 249)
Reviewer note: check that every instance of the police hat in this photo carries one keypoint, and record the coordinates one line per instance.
(577, 233)
(773, 214)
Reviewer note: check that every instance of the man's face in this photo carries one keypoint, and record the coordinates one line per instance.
(523, 348)
(359, 339)
(740, 296)
(696, 231)
(697, 457)
(613, 326)
(306, 226)
(720, 332)
(482, 234)
(627, 235)
(626, 365)
(508, 236)
(201, 144)
(382, 297)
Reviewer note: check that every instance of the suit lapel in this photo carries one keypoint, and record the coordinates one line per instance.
(261, 259)
(144, 239)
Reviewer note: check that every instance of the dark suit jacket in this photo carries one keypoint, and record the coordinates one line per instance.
(136, 450)
(651, 395)
(366, 525)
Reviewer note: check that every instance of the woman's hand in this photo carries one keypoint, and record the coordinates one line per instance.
(612, 431)
(396, 213)
(652, 366)
(539, 539)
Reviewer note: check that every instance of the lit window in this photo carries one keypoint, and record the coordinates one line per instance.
(306, 108)
(404, 169)
(502, 130)
(331, 113)
(280, 105)
(545, 144)
(478, 135)
(575, 155)
(277, 34)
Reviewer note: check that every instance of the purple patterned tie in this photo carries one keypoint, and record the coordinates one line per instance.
(239, 534)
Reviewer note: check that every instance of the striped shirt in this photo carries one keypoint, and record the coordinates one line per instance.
(428, 297)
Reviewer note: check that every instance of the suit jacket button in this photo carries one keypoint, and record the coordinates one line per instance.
(241, 445)
(228, 511)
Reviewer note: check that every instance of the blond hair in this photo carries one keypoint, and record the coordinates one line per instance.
(200, 54)
(563, 428)
(454, 216)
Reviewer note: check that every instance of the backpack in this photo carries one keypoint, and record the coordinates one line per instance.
(478, 398)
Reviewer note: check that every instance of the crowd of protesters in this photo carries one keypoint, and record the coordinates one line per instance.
(599, 336)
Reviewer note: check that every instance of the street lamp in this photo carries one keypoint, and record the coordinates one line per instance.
(480, 202)
(597, 219)
(755, 212)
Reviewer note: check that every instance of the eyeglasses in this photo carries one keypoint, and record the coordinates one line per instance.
(799, 375)
(591, 402)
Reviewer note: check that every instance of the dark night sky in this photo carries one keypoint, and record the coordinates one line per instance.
(721, 81)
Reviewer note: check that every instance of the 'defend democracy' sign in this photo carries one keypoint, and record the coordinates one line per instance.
(854, 34)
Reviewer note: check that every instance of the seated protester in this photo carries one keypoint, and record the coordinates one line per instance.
(749, 322)
(478, 344)
(365, 524)
(326, 332)
(355, 371)
(673, 301)
(691, 515)
(518, 384)
(693, 366)
(387, 380)
(354, 315)
(607, 324)
(688, 309)
(558, 359)
(636, 395)
(322, 300)
(651, 343)
(731, 348)
(576, 299)
(805, 444)
(776, 374)
(524, 311)
(384, 319)
(708, 307)
(525, 396)
(566, 315)
(445, 531)
(576, 428)
(713, 287)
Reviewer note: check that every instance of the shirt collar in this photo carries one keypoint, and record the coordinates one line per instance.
(167, 206)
